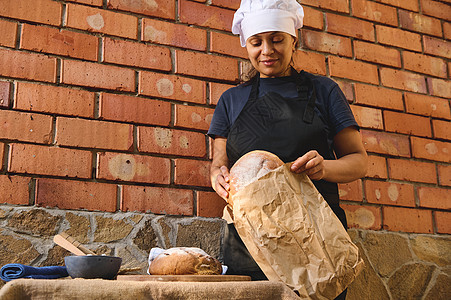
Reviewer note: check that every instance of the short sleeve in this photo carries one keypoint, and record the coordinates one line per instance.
(340, 113)
(220, 123)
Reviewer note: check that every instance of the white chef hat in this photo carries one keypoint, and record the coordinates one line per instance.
(257, 16)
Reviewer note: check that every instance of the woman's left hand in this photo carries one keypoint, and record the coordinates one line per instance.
(312, 163)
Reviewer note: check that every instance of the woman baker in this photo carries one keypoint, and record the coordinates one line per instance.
(300, 117)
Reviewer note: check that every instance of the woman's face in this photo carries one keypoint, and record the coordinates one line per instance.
(270, 53)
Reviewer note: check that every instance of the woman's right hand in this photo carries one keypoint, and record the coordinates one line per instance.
(222, 185)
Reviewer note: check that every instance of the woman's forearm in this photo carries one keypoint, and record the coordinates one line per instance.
(346, 169)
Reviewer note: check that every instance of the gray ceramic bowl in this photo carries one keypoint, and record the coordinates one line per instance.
(93, 266)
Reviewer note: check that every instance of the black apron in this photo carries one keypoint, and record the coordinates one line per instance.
(288, 128)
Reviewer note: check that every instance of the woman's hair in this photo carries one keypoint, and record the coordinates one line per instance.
(247, 77)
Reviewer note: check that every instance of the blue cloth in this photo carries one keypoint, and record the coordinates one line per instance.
(14, 271)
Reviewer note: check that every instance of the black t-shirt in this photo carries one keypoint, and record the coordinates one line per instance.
(331, 104)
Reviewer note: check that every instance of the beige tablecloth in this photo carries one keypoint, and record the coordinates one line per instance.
(38, 289)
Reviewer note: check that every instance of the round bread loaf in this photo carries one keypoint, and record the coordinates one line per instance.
(184, 261)
(250, 167)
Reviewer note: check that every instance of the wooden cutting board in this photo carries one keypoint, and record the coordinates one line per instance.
(198, 278)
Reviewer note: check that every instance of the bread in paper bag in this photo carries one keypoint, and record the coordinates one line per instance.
(293, 234)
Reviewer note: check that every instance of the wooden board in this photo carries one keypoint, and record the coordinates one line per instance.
(201, 278)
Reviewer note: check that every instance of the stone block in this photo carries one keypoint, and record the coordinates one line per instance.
(410, 281)
(109, 230)
(55, 256)
(36, 222)
(200, 233)
(432, 249)
(146, 238)
(131, 259)
(14, 249)
(80, 227)
(386, 251)
(441, 288)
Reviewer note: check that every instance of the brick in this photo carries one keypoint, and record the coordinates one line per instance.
(433, 197)
(233, 4)
(336, 5)
(97, 75)
(193, 117)
(216, 90)
(93, 134)
(436, 47)
(351, 191)
(386, 143)
(14, 190)
(192, 172)
(398, 38)
(377, 54)
(205, 16)
(443, 222)
(410, 170)
(431, 149)
(427, 106)
(424, 64)
(206, 65)
(71, 194)
(354, 70)
(227, 44)
(368, 117)
(447, 30)
(9, 33)
(5, 91)
(158, 8)
(52, 161)
(378, 96)
(389, 193)
(347, 88)
(436, 9)
(442, 129)
(407, 123)
(351, 27)
(171, 141)
(172, 87)
(27, 65)
(313, 18)
(444, 174)
(209, 204)
(2, 147)
(420, 23)
(134, 110)
(64, 42)
(88, 2)
(27, 127)
(439, 87)
(403, 80)
(178, 35)
(409, 5)
(310, 62)
(102, 21)
(364, 217)
(407, 220)
(157, 200)
(375, 12)
(136, 54)
(54, 100)
(325, 42)
(137, 168)
(39, 11)
(377, 167)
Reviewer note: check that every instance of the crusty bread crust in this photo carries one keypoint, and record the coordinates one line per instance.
(185, 261)
(250, 167)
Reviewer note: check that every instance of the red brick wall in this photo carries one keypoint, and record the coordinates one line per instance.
(104, 105)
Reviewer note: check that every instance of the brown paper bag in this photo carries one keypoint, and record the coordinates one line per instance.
(294, 236)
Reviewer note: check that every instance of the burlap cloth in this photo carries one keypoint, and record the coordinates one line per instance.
(37, 289)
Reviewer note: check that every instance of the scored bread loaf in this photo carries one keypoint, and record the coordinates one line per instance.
(250, 167)
(184, 261)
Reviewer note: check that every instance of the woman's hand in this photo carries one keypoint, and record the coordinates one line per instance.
(312, 163)
(222, 186)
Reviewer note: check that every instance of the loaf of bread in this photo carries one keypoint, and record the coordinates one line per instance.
(184, 261)
(250, 167)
